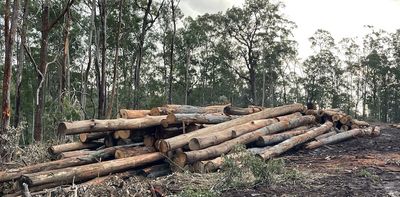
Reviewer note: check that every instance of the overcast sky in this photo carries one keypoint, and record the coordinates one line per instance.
(343, 18)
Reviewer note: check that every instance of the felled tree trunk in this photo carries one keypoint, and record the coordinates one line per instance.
(133, 151)
(75, 153)
(231, 110)
(186, 109)
(296, 140)
(155, 171)
(342, 136)
(216, 151)
(73, 146)
(94, 125)
(213, 164)
(214, 118)
(182, 140)
(96, 156)
(87, 137)
(85, 172)
(359, 123)
(276, 138)
(325, 135)
(132, 114)
(201, 142)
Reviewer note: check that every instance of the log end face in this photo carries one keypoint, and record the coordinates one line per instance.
(194, 144)
(154, 112)
(164, 146)
(181, 159)
(62, 127)
(83, 137)
(119, 154)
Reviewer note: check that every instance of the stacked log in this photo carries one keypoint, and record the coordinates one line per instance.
(183, 136)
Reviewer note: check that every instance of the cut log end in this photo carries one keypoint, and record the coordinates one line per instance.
(62, 127)
(180, 159)
(194, 144)
(123, 134)
(83, 137)
(164, 146)
(155, 112)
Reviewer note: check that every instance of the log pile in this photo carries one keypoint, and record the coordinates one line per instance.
(176, 137)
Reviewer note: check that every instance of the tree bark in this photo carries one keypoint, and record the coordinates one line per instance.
(182, 140)
(73, 146)
(202, 142)
(75, 153)
(186, 109)
(85, 172)
(171, 57)
(94, 125)
(155, 171)
(87, 137)
(65, 64)
(21, 60)
(197, 118)
(294, 141)
(343, 136)
(216, 151)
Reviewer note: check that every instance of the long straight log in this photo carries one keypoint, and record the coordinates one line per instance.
(125, 152)
(342, 136)
(325, 135)
(214, 118)
(96, 156)
(73, 146)
(201, 142)
(213, 164)
(216, 151)
(182, 140)
(231, 110)
(94, 125)
(75, 153)
(276, 138)
(87, 137)
(186, 109)
(132, 114)
(85, 172)
(294, 141)
(359, 123)
(258, 150)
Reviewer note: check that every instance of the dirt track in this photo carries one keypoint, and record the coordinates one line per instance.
(359, 167)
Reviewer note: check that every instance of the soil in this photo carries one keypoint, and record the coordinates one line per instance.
(359, 167)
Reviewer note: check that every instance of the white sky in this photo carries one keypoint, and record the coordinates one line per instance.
(343, 18)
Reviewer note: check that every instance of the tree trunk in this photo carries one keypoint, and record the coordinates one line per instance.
(65, 63)
(20, 67)
(115, 74)
(75, 153)
(214, 118)
(103, 36)
(132, 114)
(187, 76)
(186, 109)
(325, 135)
(133, 151)
(155, 171)
(73, 146)
(182, 140)
(214, 164)
(85, 172)
(230, 110)
(218, 150)
(87, 137)
(342, 136)
(294, 141)
(202, 142)
(171, 57)
(280, 137)
(94, 125)
(59, 164)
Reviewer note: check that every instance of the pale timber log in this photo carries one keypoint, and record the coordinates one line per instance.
(231, 110)
(74, 153)
(85, 172)
(87, 137)
(124, 152)
(213, 164)
(94, 125)
(343, 136)
(279, 137)
(294, 141)
(186, 109)
(132, 114)
(73, 146)
(325, 135)
(359, 123)
(215, 151)
(96, 156)
(182, 140)
(201, 142)
(214, 118)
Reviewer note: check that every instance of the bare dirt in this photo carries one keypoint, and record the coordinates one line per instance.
(359, 167)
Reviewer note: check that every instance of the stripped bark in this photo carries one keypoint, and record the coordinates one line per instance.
(75, 153)
(276, 138)
(186, 109)
(132, 114)
(73, 146)
(231, 110)
(125, 152)
(87, 137)
(214, 118)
